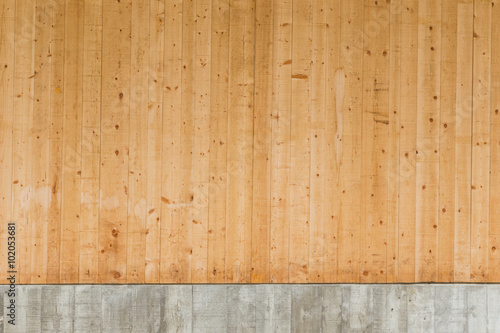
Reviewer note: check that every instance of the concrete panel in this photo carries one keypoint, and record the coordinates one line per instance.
(451, 309)
(493, 308)
(254, 308)
(477, 303)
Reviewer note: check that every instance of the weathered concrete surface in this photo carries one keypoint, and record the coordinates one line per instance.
(254, 308)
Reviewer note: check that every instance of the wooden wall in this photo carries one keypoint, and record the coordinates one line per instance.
(146, 141)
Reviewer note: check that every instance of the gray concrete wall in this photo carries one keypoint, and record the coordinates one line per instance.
(254, 308)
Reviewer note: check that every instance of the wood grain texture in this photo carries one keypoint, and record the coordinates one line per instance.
(427, 151)
(138, 149)
(91, 130)
(7, 48)
(211, 141)
(494, 231)
(408, 142)
(463, 146)
(114, 148)
(300, 141)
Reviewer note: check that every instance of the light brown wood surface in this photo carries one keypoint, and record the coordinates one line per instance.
(250, 141)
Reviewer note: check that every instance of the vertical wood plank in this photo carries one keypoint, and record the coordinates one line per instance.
(317, 138)
(280, 137)
(114, 141)
(240, 141)
(169, 266)
(494, 229)
(138, 150)
(375, 151)
(7, 48)
(427, 157)
(56, 136)
(40, 157)
(300, 141)
(446, 225)
(481, 141)
(218, 140)
(334, 136)
(463, 132)
(261, 209)
(72, 142)
(154, 135)
(23, 134)
(201, 144)
(92, 52)
(349, 156)
(186, 193)
(408, 142)
(395, 43)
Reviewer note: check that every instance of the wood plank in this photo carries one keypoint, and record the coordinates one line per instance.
(375, 140)
(201, 141)
(349, 156)
(155, 141)
(89, 230)
(72, 142)
(395, 89)
(481, 141)
(408, 142)
(427, 158)
(494, 230)
(318, 143)
(280, 140)
(218, 141)
(185, 202)
(138, 150)
(447, 142)
(7, 48)
(169, 264)
(40, 157)
(300, 141)
(240, 141)
(334, 136)
(115, 105)
(261, 181)
(56, 137)
(23, 135)
(463, 130)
